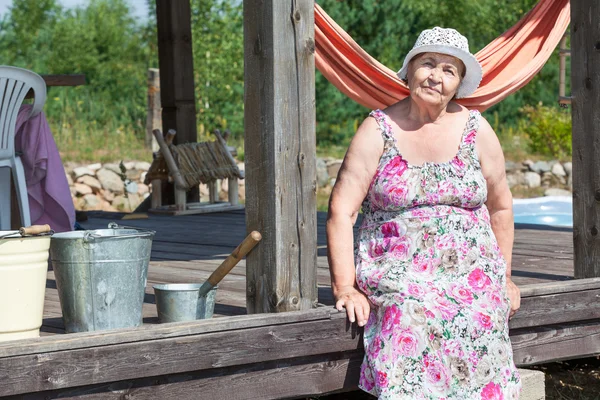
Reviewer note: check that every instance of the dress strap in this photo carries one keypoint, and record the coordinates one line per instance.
(471, 128)
(468, 140)
(385, 127)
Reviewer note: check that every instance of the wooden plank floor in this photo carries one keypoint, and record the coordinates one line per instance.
(186, 249)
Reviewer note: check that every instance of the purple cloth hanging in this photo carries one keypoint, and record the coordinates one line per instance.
(49, 195)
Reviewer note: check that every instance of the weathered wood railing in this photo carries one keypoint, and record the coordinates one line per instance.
(264, 356)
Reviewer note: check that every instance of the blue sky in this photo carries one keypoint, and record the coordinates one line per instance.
(139, 8)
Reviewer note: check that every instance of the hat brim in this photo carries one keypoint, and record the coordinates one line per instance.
(473, 75)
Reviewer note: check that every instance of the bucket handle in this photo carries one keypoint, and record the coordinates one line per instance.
(90, 236)
(114, 225)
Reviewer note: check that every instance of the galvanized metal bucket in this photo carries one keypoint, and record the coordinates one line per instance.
(101, 276)
(176, 302)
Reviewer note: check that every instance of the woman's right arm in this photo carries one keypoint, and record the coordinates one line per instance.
(349, 191)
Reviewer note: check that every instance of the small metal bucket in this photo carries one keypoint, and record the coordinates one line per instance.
(178, 302)
(101, 276)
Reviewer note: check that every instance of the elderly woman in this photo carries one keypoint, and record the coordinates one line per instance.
(430, 275)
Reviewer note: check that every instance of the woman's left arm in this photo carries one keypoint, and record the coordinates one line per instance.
(499, 201)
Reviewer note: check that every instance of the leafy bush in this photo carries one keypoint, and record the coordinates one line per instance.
(548, 129)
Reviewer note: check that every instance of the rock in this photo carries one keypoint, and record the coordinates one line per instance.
(95, 167)
(92, 202)
(113, 167)
(73, 192)
(79, 203)
(532, 179)
(224, 184)
(110, 180)
(91, 182)
(541, 167)
(134, 200)
(107, 195)
(223, 195)
(515, 178)
(510, 166)
(133, 174)
(82, 189)
(143, 176)
(528, 164)
(556, 192)
(322, 175)
(143, 189)
(558, 170)
(129, 165)
(142, 166)
(568, 166)
(570, 182)
(551, 180)
(121, 203)
(106, 206)
(333, 168)
(69, 179)
(81, 171)
(69, 167)
(242, 193)
(332, 182)
(132, 187)
(204, 190)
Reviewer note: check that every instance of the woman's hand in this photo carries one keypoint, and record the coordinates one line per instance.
(514, 294)
(355, 302)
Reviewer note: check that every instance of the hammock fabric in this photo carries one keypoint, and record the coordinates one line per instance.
(509, 62)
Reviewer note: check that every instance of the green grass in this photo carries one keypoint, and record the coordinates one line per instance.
(80, 142)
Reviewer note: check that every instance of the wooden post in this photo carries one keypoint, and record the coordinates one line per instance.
(176, 66)
(280, 151)
(154, 118)
(213, 191)
(585, 89)
(156, 200)
(232, 191)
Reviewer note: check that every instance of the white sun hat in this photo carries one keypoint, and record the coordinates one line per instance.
(447, 41)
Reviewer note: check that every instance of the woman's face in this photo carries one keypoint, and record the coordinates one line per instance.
(434, 78)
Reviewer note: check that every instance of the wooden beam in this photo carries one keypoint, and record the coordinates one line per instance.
(585, 106)
(176, 66)
(154, 111)
(60, 80)
(280, 154)
(300, 378)
(555, 342)
(261, 353)
(64, 80)
(113, 363)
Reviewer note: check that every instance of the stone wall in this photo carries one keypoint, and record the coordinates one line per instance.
(105, 187)
(552, 176)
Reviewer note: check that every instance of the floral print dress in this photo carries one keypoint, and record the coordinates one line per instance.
(428, 260)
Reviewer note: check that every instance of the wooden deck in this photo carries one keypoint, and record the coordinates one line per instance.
(186, 249)
(268, 356)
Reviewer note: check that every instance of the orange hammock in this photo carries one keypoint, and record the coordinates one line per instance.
(509, 62)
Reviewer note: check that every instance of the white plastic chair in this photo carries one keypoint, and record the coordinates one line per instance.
(14, 85)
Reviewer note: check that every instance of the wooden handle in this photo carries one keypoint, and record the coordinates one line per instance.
(35, 230)
(231, 261)
(164, 148)
(170, 136)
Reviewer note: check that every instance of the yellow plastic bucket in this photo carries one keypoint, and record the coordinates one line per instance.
(23, 271)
